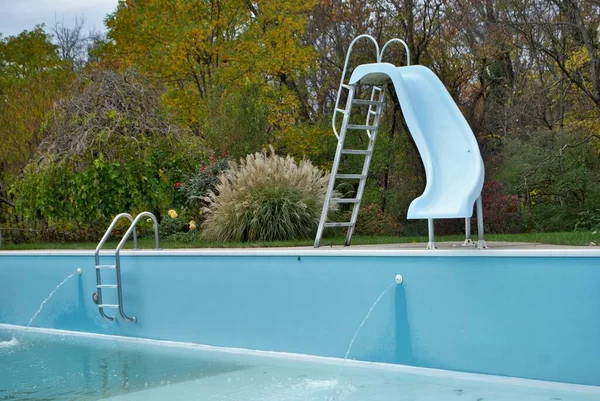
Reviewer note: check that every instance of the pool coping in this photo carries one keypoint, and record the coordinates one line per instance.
(579, 252)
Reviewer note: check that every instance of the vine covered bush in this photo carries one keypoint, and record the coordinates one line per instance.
(107, 149)
(265, 197)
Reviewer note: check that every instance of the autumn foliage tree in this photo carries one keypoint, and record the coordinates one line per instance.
(32, 77)
(240, 74)
(208, 52)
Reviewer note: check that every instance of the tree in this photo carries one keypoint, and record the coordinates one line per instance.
(32, 76)
(565, 32)
(108, 147)
(206, 50)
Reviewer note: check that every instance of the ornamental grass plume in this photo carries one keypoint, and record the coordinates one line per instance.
(266, 197)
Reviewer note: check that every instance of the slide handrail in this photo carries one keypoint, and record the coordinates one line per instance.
(378, 58)
(343, 79)
(389, 42)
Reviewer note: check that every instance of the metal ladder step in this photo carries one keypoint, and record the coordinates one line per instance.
(114, 306)
(356, 152)
(341, 224)
(345, 200)
(351, 176)
(362, 127)
(107, 286)
(367, 102)
(106, 266)
(371, 125)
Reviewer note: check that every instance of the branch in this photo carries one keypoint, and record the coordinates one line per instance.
(252, 8)
(576, 144)
(4, 197)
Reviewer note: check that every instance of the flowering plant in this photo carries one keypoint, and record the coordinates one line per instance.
(204, 180)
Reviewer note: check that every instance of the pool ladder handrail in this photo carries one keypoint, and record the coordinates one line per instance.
(117, 266)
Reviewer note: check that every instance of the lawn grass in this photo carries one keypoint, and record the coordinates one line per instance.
(579, 238)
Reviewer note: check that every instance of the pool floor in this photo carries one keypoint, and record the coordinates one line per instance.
(44, 366)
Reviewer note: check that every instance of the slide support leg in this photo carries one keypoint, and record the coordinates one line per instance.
(468, 240)
(431, 243)
(480, 241)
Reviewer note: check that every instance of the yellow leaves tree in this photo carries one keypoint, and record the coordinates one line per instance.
(206, 49)
(32, 76)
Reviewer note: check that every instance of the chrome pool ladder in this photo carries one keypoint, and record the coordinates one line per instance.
(371, 127)
(97, 297)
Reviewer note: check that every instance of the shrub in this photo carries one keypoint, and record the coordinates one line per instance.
(501, 211)
(173, 222)
(108, 148)
(197, 186)
(588, 220)
(266, 198)
(373, 221)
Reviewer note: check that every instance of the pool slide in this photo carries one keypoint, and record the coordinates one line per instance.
(450, 154)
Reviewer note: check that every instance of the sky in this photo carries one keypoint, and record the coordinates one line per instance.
(19, 15)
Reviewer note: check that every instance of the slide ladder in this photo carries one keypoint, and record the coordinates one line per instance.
(448, 149)
(97, 296)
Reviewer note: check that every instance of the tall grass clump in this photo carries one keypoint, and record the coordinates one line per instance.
(266, 197)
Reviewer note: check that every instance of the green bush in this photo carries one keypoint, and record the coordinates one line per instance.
(266, 198)
(196, 187)
(108, 148)
(373, 221)
(75, 194)
(588, 220)
(554, 180)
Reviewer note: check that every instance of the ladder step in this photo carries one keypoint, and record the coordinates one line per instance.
(356, 152)
(345, 86)
(366, 127)
(107, 286)
(344, 200)
(344, 224)
(367, 102)
(106, 266)
(108, 306)
(351, 176)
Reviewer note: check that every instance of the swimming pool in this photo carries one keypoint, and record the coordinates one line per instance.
(524, 314)
(63, 366)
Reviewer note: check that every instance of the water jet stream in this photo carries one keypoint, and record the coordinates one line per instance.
(44, 302)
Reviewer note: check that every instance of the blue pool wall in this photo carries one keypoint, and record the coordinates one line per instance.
(531, 315)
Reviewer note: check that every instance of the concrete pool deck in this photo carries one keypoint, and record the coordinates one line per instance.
(444, 249)
(457, 246)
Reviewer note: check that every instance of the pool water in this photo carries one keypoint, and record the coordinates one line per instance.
(43, 366)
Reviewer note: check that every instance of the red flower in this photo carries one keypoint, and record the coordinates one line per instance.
(224, 154)
(177, 184)
(202, 168)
